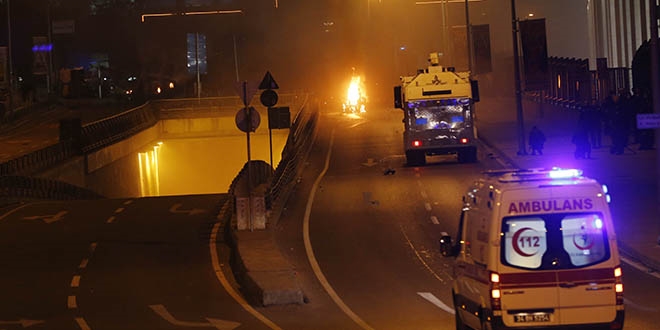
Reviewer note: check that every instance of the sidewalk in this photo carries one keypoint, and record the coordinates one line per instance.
(632, 178)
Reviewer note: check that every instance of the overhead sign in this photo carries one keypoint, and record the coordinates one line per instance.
(648, 120)
(268, 82)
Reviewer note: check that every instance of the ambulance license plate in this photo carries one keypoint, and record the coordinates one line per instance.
(529, 318)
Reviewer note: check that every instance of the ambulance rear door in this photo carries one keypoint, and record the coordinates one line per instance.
(587, 283)
(529, 292)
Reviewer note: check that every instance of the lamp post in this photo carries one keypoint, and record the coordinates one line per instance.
(9, 59)
(516, 72)
(655, 80)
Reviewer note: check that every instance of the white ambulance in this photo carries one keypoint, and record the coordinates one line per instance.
(536, 249)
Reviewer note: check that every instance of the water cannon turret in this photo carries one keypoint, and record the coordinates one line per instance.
(434, 59)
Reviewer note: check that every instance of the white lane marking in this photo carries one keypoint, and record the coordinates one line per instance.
(50, 218)
(71, 302)
(631, 304)
(23, 322)
(110, 219)
(435, 301)
(92, 248)
(434, 219)
(310, 252)
(412, 247)
(218, 324)
(82, 323)
(119, 210)
(424, 195)
(128, 202)
(83, 263)
(427, 206)
(640, 267)
(225, 284)
(14, 210)
(75, 281)
(175, 209)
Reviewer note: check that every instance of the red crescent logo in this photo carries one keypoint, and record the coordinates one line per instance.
(582, 247)
(516, 248)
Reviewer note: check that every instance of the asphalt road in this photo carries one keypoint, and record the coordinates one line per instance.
(116, 264)
(365, 250)
(373, 237)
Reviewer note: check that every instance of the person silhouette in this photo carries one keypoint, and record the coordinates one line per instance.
(536, 140)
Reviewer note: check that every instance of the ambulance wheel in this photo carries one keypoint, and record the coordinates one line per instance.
(415, 158)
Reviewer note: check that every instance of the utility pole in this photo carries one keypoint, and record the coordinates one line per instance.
(11, 64)
(518, 89)
(655, 83)
(468, 28)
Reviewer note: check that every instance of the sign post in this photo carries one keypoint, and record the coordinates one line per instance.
(269, 99)
(247, 120)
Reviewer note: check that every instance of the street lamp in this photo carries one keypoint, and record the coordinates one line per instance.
(516, 71)
(9, 59)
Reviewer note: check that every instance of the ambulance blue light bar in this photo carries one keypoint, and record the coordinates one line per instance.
(537, 174)
(559, 173)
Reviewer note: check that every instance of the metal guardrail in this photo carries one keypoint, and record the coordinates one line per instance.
(40, 159)
(299, 142)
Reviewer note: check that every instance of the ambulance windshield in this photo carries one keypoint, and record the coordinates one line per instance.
(554, 241)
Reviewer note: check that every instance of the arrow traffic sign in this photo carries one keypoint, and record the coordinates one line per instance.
(23, 322)
(211, 323)
(48, 218)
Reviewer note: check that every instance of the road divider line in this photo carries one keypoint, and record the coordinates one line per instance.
(434, 219)
(219, 274)
(119, 210)
(419, 257)
(110, 219)
(427, 206)
(435, 301)
(75, 281)
(310, 252)
(71, 302)
(92, 248)
(128, 202)
(83, 263)
(82, 323)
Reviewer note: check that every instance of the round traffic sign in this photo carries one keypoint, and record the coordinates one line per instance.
(268, 98)
(242, 119)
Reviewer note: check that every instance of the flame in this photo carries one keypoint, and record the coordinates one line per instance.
(354, 91)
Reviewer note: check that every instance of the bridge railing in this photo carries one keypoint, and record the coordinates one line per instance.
(104, 132)
(301, 137)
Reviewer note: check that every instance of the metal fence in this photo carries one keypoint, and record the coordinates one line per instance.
(572, 85)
